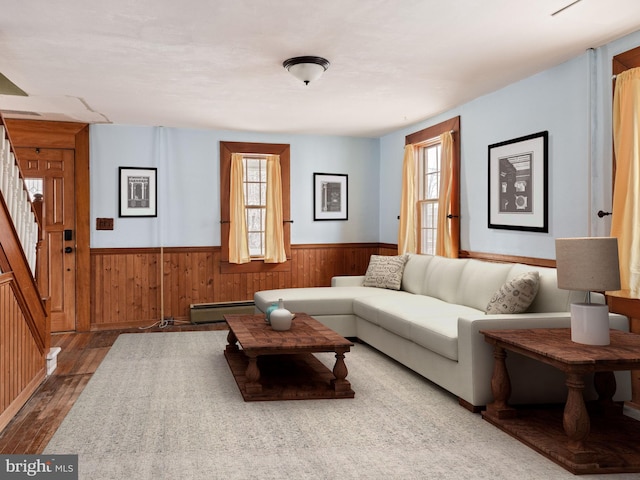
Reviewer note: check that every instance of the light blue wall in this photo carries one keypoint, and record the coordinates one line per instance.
(189, 185)
(573, 103)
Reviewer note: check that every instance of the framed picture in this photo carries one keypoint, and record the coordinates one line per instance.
(138, 192)
(518, 184)
(330, 196)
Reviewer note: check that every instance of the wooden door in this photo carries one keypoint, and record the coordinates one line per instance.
(55, 167)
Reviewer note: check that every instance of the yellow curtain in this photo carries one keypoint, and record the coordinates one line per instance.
(625, 220)
(407, 227)
(238, 243)
(446, 245)
(274, 230)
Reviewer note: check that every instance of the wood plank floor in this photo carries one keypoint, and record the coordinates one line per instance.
(31, 429)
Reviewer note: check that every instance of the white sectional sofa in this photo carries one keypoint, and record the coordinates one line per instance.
(432, 323)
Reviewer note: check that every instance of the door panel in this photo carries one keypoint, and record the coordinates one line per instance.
(56, 168)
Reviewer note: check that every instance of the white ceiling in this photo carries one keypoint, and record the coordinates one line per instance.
(217, 64)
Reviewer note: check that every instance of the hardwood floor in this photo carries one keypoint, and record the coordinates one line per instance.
(31, 429)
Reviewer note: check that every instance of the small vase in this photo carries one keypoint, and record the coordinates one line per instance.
(281, 318)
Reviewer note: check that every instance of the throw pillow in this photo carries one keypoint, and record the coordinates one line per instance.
(385, 271)
(516, 295)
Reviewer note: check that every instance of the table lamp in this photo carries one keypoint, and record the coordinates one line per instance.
(588, 264)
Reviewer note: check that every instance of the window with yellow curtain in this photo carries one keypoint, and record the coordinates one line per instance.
(429, 217)
(247, 190)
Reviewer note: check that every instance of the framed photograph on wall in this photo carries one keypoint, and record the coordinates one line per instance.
(330, 192)
(518, 184)
(138, 192)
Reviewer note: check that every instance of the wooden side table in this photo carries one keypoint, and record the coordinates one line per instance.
(623, 303)
(594, 438)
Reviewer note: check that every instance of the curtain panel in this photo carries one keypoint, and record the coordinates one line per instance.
(274, 229)
(625, 220)
(446, 243)
(407, 228)
(238, 243)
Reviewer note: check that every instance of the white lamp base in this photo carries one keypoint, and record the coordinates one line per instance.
(590, 323)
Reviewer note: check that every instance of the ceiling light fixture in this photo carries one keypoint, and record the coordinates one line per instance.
(306, 69)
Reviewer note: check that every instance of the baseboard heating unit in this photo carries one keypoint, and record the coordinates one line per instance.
(214, 312)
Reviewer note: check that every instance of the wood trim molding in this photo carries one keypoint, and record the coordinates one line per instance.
(310, 246)
(226, 150)
(500, 258)
(434, 131)
(626, 60)
(83, 230)
(72, 136)
(43, 133)
(217, 248)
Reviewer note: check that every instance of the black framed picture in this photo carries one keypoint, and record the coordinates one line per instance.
(518, 184)
(138, 192)
(330, 191)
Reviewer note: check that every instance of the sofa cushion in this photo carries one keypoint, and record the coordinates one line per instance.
(415, 271)
(426, 321)
(443, 278)
(316, 300)
(515, 295)
(479, 281)
(385, 271)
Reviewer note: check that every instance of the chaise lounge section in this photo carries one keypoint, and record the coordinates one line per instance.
(426, 312)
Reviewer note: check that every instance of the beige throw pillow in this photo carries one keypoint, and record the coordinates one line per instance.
(516, 295)
(385, 271)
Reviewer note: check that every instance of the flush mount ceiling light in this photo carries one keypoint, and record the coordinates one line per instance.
(306, 69)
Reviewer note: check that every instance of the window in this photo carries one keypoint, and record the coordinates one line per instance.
(427, 153)
(35, 186)
(255, 190)
(428, 191)
(255, 201)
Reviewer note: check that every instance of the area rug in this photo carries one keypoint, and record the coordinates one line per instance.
(165, 406)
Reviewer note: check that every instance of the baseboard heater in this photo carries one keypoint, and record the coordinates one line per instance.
(214, 312)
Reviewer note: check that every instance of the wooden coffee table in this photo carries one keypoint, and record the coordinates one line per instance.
(583, 438)
(276, 365)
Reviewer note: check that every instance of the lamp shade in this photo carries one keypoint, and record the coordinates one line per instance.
(588, 264)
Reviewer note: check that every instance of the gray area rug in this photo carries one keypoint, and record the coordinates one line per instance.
(165, 406)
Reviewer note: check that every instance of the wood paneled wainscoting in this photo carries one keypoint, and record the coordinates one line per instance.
(128, 284)
(22, 360)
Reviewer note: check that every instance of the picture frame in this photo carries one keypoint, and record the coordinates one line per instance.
(137, 192)
(330, 196)
(518, 184)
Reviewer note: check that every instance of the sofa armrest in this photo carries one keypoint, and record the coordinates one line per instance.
(347, 281)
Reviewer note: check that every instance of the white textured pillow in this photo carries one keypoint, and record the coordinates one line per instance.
(385, 271)
(516, 295)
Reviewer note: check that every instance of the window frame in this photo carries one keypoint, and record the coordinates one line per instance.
(423, 202)
(226, 150)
